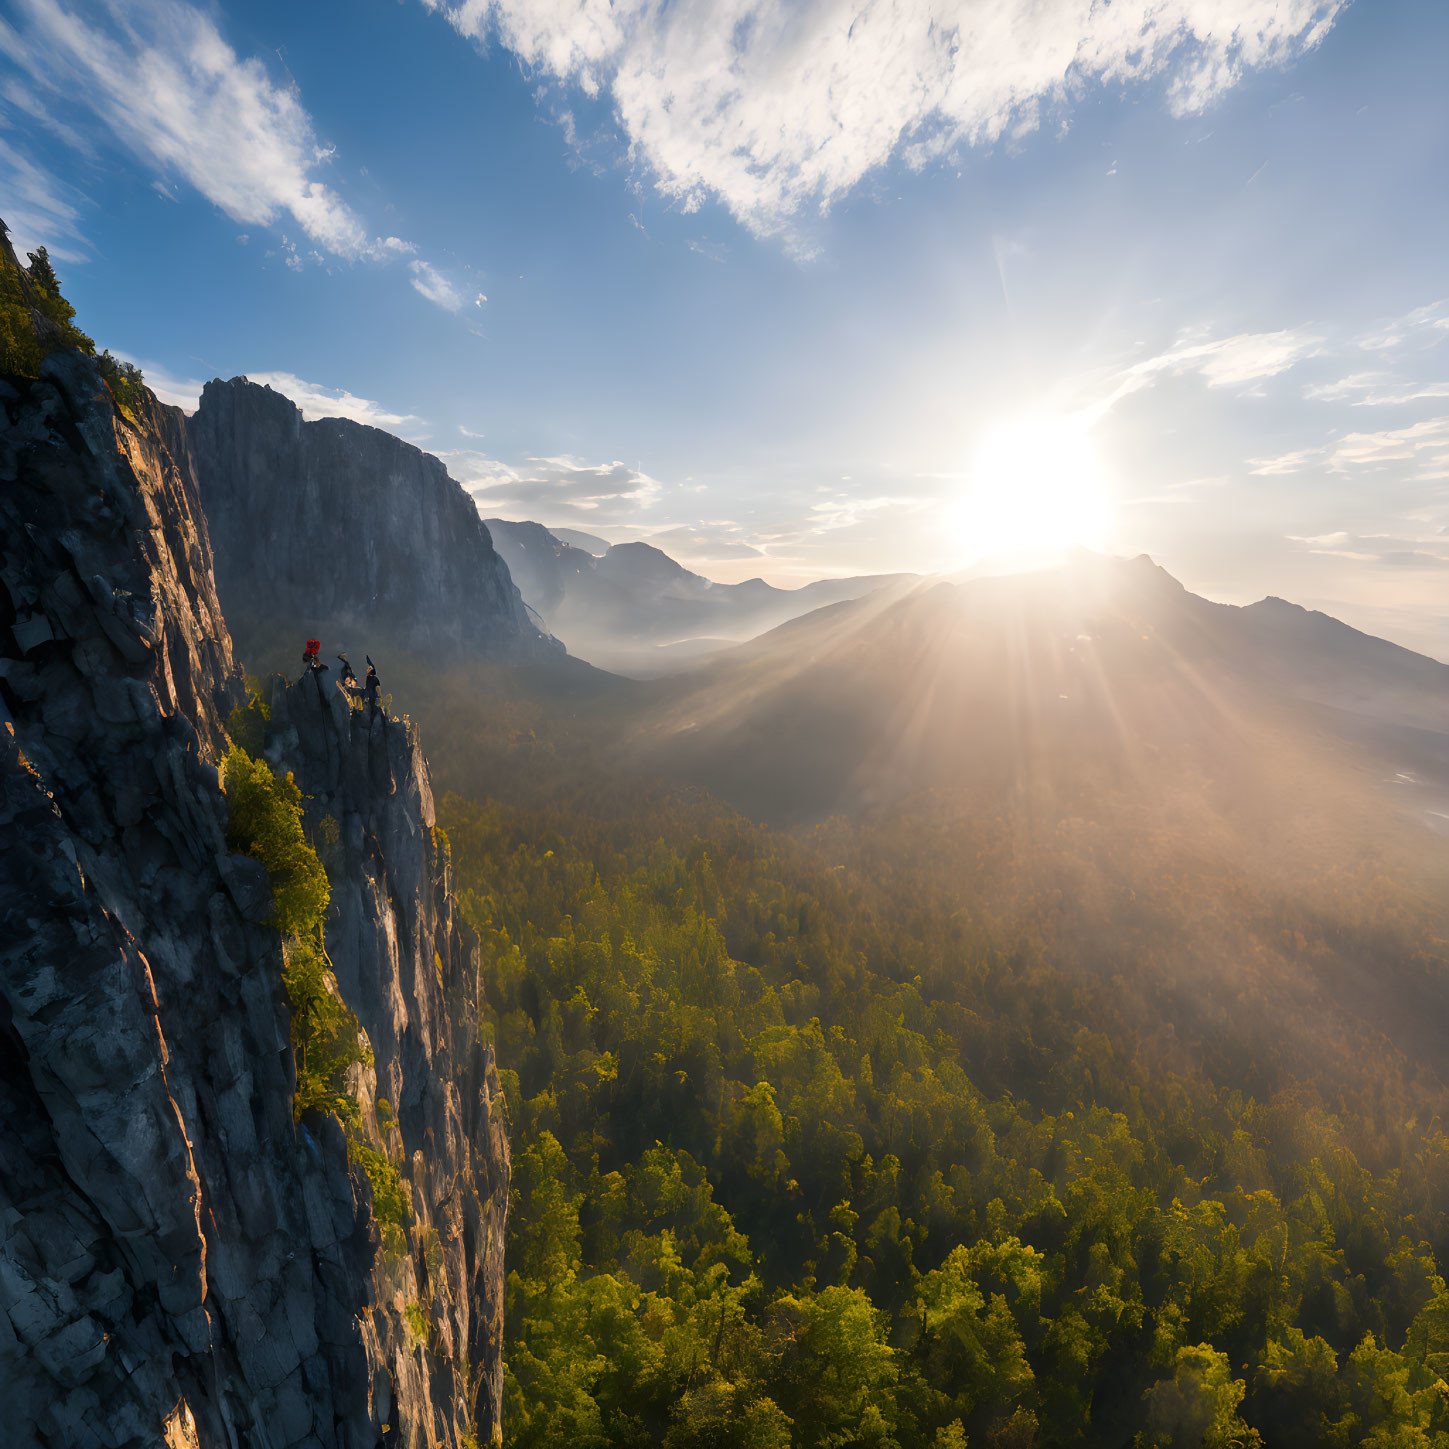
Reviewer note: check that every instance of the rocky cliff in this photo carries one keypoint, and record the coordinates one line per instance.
(344, 532)
(410, 969)
(180, 1261)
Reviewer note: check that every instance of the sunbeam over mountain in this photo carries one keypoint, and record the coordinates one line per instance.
(725, 726)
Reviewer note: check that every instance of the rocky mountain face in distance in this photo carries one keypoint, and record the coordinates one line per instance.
(344, 532)
(180, 1261)
(1103, 670)
(633, 609)
(589, 542)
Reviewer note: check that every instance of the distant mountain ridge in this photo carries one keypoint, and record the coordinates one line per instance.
(618, 607)
(1103, 674)
(345, 532)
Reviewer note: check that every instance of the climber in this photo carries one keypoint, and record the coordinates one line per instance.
(311, 658)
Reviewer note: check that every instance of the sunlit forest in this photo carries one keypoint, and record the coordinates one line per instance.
(851, 1138)
(726, 725)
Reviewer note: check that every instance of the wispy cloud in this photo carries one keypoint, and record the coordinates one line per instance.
(1423, 327)
(845, 511)
(180, 392)
(558, 489)
(777, 108)
(317, 401)
(437, 288)
(1383, 550)
(19, 97)
(1240, 361)
(39, 210)
(704, 542)
(1424, 446)
(1375, 390)
(163, 81)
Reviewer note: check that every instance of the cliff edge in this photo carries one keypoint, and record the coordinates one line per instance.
(180, 1260)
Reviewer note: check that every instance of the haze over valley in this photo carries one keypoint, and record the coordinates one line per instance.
(724, 727)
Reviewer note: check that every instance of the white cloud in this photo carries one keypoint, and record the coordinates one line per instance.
(39, 210)
(162, 80)
(180, 392)
(1423, 445)
(776, 107)
(1238, 361)
(1235, 361)
(1426, 441)
(561, 489)
(1375, 389)
(22, 99)
(317, 401)
(1424, 326)
(843, 511)
(1385, 550)
(433, 285)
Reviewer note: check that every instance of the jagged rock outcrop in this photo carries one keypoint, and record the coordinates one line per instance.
(179, 1262)
(409, 968)
(336, 529)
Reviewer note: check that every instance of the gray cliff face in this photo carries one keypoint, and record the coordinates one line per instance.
(542, 564)
(336, 529)
(179, 1262)
(409, 969)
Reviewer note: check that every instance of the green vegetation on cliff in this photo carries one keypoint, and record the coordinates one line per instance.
(810, 1150)
(264, 821)
(35, 318)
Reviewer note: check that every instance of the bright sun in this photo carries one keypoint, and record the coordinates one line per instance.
(1035, 490)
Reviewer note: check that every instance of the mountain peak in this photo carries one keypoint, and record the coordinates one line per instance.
(645, 560)
(331, 526)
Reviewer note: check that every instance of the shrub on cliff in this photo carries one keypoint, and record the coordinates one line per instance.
(35, 319)
(264, 821)
(246, 725)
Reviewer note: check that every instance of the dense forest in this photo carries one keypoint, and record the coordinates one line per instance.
(1101, 1121)
(829, 1140)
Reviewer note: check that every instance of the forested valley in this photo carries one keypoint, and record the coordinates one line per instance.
(867, 1135)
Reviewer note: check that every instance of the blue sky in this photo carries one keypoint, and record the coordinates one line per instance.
(755, 279)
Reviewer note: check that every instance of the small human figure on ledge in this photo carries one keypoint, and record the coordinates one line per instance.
(373, 685)
(311, 658)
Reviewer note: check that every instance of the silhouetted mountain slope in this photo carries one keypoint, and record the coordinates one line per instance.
(589, 542)
(333, 529)
(541, 564)
(618, 607)
(1101, 675)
